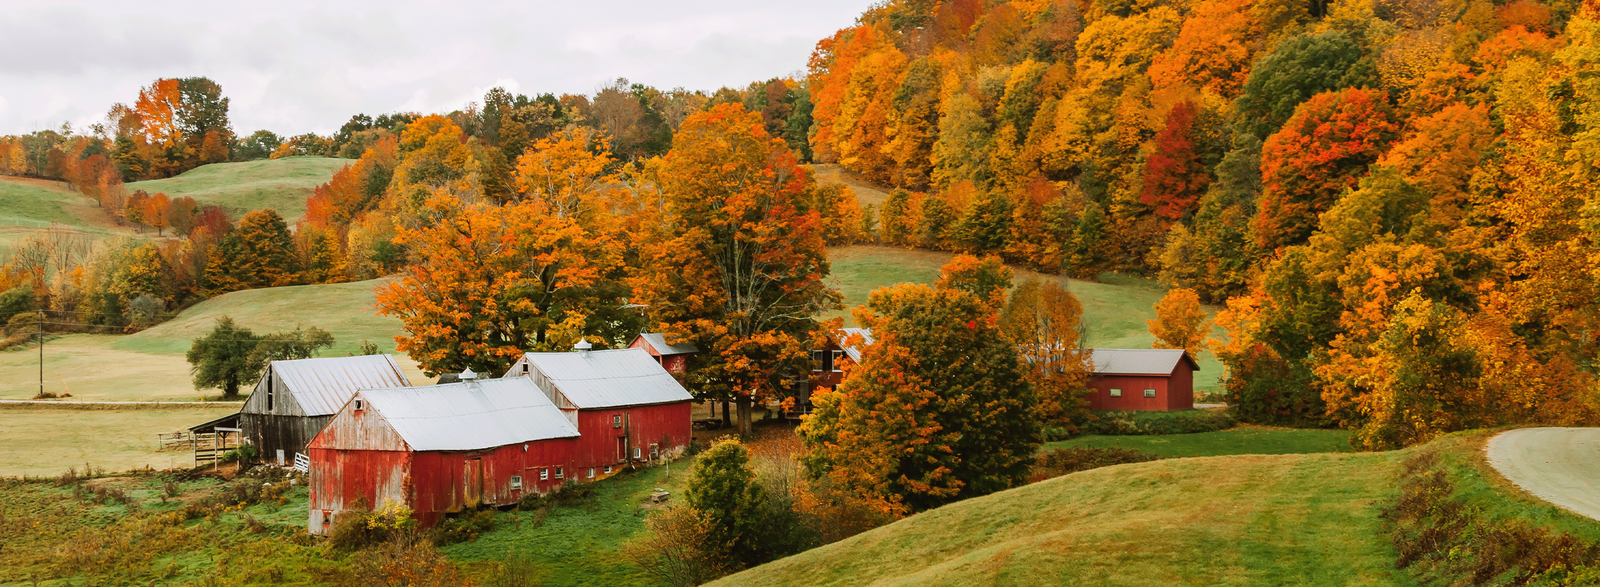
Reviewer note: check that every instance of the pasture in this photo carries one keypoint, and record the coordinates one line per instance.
(280, 184)
(1241, 440)
(46, 441)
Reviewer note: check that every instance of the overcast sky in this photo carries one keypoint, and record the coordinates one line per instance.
(293, 67)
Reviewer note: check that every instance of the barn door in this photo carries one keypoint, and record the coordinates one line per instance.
(472, 478)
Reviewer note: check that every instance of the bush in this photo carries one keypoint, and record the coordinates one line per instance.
(404, 561)
(245, 453)
(1080, 458)
(680, 549)
(355, 528)
(464, 528)
(1156, 423)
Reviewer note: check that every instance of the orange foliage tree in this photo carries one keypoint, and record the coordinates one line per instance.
(737, 264)
(1180, 322)
(1044, 320)
(1174, 175)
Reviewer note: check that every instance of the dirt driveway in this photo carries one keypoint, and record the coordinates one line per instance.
(1558, 465)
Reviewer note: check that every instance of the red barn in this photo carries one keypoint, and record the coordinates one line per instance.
(1157, 380)
(626, 407)
(439, 449)
(827, 365)
(672, 357)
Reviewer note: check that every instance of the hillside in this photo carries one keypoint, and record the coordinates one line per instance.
(280, 184)
(1114, 311)
(344, 309)
(1237, 520)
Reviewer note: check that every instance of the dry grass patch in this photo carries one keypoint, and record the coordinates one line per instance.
(45, 442)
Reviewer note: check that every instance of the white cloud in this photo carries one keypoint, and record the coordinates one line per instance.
(294, 66)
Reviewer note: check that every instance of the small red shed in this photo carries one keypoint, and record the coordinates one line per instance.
(626, 407)
(1159, 380)
(439, 449)
(672, 357)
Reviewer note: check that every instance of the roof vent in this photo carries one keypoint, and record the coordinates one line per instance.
(467, 375)
(582, 347)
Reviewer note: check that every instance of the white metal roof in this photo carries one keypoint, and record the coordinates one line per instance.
(855, 352)
(659, 341)
(322, 385)
(1140, 361)
(610, 378)
(487, 413)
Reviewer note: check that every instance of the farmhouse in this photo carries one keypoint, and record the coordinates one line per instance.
(827, 365)
(625, 405)
(294, 399)
(672, 357)
(439, 449)
(1142, 380)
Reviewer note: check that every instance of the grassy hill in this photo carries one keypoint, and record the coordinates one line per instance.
(1234, 520)
(1114, 311)
(29, 203)
(344, 309)
(280, 184)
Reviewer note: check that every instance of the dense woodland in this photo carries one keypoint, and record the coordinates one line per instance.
(1393, 203)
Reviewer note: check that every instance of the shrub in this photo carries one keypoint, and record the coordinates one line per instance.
(464, 528)
(355, 528)
(681, 548)
(404, 561)
(1156, 423)
(245, 453)
(516, 571)
(1081, 458)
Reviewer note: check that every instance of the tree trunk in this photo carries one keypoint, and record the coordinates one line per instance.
(744, 415)
(726, 423)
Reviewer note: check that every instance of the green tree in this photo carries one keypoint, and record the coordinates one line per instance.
(937, 411)
(723, 486)
(288, 346)
(258, 253)
(1089, 254)
(221, 359)
(1299, 68)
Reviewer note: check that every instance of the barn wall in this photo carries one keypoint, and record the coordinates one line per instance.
(1181, 385)
(441, 480)
(601, 443)
(271, 433)
(1133, 398)
(340, 479)
(353, 429)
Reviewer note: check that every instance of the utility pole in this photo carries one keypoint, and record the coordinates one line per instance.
(41, 352)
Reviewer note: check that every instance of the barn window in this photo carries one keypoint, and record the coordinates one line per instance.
(819, 360)
(608, 469)
(360, 404)
(516, 481)
(655, 451)
(834, 362)
(544, 474)
(524, 368)
(558, 472)
(1149, 393)
(616, 421)
(591, 472)
(1116, 392)
(269, 399)
(636, 453)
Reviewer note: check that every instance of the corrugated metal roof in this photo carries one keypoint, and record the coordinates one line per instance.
(1140, 361)
(855, 352)
(470, 416)
(659, 341)
(612, 378)
(321, 386)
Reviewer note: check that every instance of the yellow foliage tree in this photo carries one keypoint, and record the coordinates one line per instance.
(1180, 322)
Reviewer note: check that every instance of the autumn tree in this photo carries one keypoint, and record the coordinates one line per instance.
(1174, 174)
(1044, 320)
(987, 278)
(258, 253)
(1322, 150)
(1297, 69)
(491, 283)
(938, 410)
(565, 171)
(1180, 322)
(737, 266)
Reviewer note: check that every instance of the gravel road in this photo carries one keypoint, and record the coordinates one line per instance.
(1558, 465)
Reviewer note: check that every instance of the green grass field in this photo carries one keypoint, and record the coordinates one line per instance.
(29, 205)
(44, 442)
(1231, 520)
(345, 309)
(1243, 440)
(280, 184)
(1114, 311)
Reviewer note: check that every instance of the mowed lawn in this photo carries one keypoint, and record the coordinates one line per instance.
(42, 442)
(28, 203)
(1115, 311)
(280, 184)
(1230, 520)
(347, 310)
(1243, 440)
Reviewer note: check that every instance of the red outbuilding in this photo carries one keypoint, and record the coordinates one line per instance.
(1158, 380)
(626, 407)
(672, 357)
(439, 449)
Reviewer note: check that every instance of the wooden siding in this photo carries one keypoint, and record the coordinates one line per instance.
(270, 434)
(283, 402)
(342, 479)
(1174, 391)
(674, 364)
(602, 443)
(353, 429)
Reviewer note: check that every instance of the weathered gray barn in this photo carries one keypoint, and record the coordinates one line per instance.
(295, 399)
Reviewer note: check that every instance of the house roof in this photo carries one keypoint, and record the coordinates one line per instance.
(855, 352)
(322, 385)
(658, 341)
(470, 416)
(610, 378)
(1140, 361)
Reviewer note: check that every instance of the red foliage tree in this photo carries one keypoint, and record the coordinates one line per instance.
(1174, 176)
